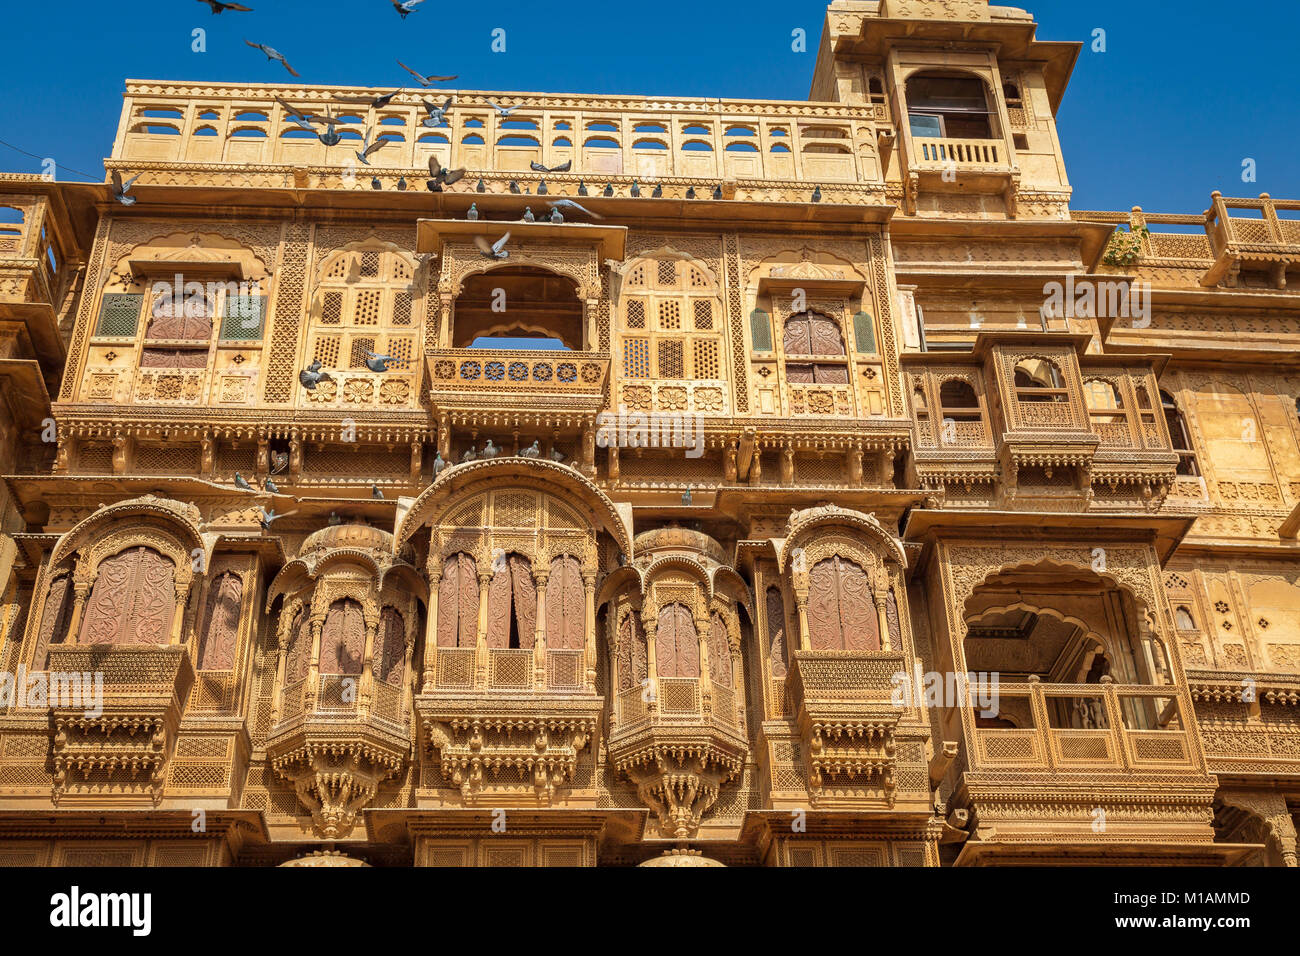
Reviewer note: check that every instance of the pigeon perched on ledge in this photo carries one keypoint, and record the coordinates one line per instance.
(242, 483)
(532, 451)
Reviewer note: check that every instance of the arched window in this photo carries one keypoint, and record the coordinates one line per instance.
(1039, 380)
(363, 303)
(719, 651)
(133, 600)
(390, 651)
(777, 647)
(1183, 618)
(566, 606)
(958, 401)
(343, 638)
(458, 602)
(809, 335)
(512, 604)
(218, 642)
(55, 616)
(671, 325)
(677, 644)
(841, 611)
(631, 653)
(949, 105)
(1105, 406)
(1179, 436)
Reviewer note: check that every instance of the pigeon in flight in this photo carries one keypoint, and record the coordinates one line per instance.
(242, 483)
(331, 136)
(120, 189)
(422, 79)
(558, 204)
(301, 117)
(562, 168)
(368, 146)
(272, 54)
(495, 250)
(279, 461)
(376, 102)
(406, 7)
(502, 111)
(219, 7)
(272, 487)
(269, 515)
(442, 177)
(312, 374)
(437, 114)
(378, 363)
(532, 451)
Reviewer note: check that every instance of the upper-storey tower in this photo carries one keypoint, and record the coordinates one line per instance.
(964, 98)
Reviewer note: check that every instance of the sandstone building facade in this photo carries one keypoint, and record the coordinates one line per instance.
(834, 391)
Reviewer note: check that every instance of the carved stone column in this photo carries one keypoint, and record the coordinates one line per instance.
(589, 590)
(706, 678)
(178, 615)
(882, 615)
(366, 685)
(801, 602)
(431, 629)
(313, 666)
(281, 664)
(480, 643)
(80, 593)
(540, 580)
(855, 466)
(650, 625)
(787, 465)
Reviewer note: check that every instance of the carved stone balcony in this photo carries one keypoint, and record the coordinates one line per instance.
(843, 702)
(1111, 764)
(1248, 235)
(176, 130)
(1035, 413)
(336, 742)
(508, 720)
(117, 746)
(466, 382)
(678, 747)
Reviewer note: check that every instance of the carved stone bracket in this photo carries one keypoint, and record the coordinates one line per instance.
(336, 779)
(680, 780)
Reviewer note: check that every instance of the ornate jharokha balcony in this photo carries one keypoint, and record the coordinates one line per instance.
(172, 130)
(1031, 416)
(338, 737)
(679, 740)
(123, 749)
(38, 264)
(508, 718)
(843, 702)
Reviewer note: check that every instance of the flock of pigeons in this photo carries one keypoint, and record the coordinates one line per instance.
(325, 128)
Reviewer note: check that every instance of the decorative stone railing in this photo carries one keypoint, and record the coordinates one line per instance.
(175, 124)
(1109, 745)
(1249, 723)
(933, 153)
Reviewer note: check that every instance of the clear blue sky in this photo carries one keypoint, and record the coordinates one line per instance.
(1184, 93)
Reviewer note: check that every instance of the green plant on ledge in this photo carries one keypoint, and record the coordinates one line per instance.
(1125, 248)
